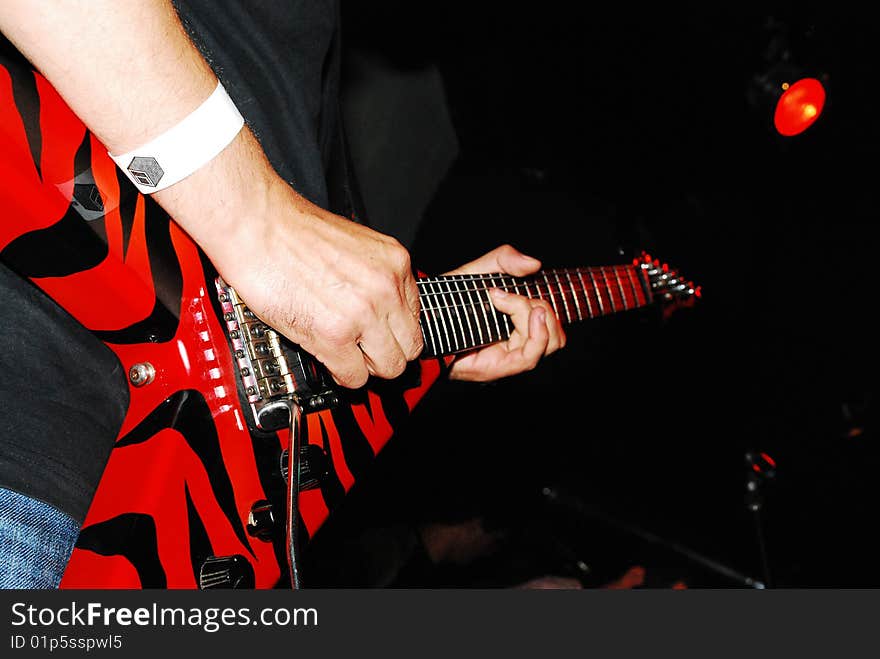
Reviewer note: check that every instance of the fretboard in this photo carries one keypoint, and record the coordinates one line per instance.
(457, 313)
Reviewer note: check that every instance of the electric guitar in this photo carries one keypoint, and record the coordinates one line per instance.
(236, 445)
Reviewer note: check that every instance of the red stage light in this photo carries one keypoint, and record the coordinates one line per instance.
(799, 106)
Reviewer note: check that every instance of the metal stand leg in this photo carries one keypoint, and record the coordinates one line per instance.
(761, 468)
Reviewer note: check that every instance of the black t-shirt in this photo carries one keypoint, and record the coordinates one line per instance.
(63, 394)
(280, 61)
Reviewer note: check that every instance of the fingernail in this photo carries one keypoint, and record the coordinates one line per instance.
(500, 293)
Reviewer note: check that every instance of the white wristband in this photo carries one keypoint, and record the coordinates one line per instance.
(184, 148)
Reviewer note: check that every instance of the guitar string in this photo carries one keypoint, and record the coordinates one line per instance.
(617, 269)
(481, 279)
(612, 293)
(625, 289)
(618, 306)
(627, 283)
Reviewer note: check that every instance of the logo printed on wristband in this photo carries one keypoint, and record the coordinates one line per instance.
(146, 170)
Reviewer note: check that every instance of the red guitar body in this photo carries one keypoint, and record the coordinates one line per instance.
(189, 465)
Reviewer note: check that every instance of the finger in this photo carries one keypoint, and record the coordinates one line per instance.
(382, 353)
(539, 336)
(404, 322)
(411, 293)
(514, 262)
(556, 332)
(407, 335)
(505, 258)
(347, 365)
(517, 307)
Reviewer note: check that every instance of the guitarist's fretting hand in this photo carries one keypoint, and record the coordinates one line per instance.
(537, 330)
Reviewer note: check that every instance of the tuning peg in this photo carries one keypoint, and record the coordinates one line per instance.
(761, 468)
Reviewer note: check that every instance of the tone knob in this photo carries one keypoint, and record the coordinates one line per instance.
(261, 521)
(226, 572)
(313, 466)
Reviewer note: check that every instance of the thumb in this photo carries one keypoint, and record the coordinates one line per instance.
(514, 262)
(505, 258)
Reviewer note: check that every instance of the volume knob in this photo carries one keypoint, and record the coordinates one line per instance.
(226, 572)
(261, 521)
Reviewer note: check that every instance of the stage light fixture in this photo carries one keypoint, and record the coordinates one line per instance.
(799, 106)
(785, 91)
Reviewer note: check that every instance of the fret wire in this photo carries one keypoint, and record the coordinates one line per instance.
(485, 314)
(550, 291)
(453, 280)
(427, 310)
(577, 304)
(442, 322)
(597, 291)
(526, 286)
(608, 288)
(457, 314)
(515, 287)
(564, 301)
(473, 309)
(586, 292)
(623, 291)
(620, 286)
(449, 309)
(496, 313)
(632, 283)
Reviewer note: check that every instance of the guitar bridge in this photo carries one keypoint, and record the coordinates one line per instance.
(273, 371)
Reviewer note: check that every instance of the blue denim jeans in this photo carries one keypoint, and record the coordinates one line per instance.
(36, 541)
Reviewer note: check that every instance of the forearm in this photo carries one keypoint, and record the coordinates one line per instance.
(130, 72)
(127, 69)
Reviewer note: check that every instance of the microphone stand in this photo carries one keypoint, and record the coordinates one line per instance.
(555, 496)
(761, 468)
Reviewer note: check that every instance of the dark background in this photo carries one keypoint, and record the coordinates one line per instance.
(583, 136)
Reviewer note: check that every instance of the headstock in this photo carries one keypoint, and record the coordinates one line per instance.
(668, 285)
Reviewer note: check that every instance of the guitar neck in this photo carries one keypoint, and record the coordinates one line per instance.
(458, 315)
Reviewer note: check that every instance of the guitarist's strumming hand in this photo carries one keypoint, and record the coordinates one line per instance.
(537, 331)
(343, 292)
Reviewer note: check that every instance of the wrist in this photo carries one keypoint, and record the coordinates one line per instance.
(184, 148)
(227, 199)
